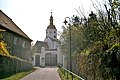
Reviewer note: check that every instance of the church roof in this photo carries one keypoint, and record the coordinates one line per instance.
(40, 44)
(7, 23)
(51, 25)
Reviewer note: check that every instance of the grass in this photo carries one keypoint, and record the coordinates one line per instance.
(61, 75)
(20, 75)
(64, 77)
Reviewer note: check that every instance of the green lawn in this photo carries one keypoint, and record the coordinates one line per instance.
(18, 76)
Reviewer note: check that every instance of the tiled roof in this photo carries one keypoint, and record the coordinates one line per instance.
(51, 27)
(40, 44)
(7, 23)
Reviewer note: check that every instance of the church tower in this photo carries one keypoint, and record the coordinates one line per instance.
(51, 35)
(51, 30)
(48, 51)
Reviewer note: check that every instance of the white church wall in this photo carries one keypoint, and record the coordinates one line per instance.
(42, 62)
(59, 59)
(51, 52)
(50, 43)
(55, 45)
(33, 62)
(63, 60)
(44, 52)
(51, 33)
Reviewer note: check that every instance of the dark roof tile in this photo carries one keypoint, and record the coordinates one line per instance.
(7, 23)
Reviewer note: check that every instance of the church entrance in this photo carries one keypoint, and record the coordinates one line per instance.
(37, 60)
(50, 59)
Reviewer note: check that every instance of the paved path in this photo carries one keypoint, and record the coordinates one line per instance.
(43, 74)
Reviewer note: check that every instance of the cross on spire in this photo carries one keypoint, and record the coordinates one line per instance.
(51, 12)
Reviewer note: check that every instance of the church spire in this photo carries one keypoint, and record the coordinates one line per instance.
(51, 19)
(51, 25)
(51, 30)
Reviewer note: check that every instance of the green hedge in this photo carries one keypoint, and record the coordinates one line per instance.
(100, 65)
(12, 65)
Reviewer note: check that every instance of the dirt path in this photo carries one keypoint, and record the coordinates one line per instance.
(43, 74)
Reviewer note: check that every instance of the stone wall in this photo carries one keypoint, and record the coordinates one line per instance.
(12, 65)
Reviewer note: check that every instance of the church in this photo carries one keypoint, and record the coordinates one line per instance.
(47, 52)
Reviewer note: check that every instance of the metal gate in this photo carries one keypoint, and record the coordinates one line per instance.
(50, 59)
(37, 60)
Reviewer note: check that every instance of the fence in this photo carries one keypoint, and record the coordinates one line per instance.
(73, 75)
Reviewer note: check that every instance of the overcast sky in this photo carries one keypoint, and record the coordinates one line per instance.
(32, 16)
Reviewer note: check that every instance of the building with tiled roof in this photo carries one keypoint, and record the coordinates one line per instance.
(18, 43)
(7, 23)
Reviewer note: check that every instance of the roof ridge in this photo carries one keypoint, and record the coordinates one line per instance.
(20, 32)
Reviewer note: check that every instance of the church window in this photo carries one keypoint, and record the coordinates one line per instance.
(46, 32)
(54, 36)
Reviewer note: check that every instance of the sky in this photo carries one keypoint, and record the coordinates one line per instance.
(32, 16)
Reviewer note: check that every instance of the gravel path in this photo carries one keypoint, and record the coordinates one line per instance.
(43, 74)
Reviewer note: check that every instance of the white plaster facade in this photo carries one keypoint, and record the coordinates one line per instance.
(42, 56)
(49, 45)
